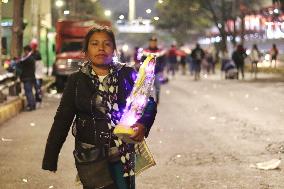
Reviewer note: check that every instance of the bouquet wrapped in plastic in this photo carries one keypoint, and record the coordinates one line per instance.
(137, 100)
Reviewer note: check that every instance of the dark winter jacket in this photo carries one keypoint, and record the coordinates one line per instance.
(238, 57)
(197, 54)
(79, 98)
(26, 69)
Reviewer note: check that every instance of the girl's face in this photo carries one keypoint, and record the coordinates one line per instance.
(100, 49)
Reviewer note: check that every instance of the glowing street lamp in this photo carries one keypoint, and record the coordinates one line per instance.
(160, 1)
(59, 3)
(107, 12)
(121, 17)
(156, 18)
(148, 11)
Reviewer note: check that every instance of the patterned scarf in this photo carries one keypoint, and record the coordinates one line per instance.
(107, 91)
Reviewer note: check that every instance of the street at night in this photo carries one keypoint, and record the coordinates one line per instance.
(207, 134)
(84, 83)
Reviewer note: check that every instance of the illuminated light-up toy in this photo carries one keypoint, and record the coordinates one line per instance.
(137, 100)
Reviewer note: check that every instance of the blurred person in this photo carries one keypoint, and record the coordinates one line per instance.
(39, 72)
(160, 64)
(26, 71)
(190, 63)
(137, 58)
(254, 57)
(207, 62)
(122, 56)
(95, 98)
(238, 57)
(172, 60)
(182, 61)
(197, 55)
(273, 55)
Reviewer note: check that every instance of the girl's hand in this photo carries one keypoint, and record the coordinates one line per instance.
(139, 134)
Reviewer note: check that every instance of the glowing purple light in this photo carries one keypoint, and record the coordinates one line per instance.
(137, 100)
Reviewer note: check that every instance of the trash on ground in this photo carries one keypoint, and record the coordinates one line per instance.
(7, 140)
(32, 124)
(25, 180)
(212, 117)
(267, 165)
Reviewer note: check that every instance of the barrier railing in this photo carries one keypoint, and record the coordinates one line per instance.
(9, 86)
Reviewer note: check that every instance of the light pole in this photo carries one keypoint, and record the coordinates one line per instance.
(131, 13)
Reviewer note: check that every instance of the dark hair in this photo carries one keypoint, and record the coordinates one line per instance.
(97, 29)
(27, 48)
(153, 38)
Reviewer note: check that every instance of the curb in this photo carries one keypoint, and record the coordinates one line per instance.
(11, 108)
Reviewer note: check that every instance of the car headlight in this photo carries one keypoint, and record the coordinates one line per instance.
(61, 64)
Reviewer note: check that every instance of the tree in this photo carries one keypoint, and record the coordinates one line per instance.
(18, 28)
(92, 10)
(181, 18)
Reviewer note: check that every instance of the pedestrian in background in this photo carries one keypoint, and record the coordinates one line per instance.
(182, 61)
(26, 67)
(39, 73)
(172, 60)
(238, 57)
(197, 55)
(136, 58)
(273, 55)
(159, 67)
(254, 57)
(96, 97)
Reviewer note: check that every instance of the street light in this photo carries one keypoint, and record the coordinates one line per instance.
(160, 1)
(148, 11)
(156, 18)
(121, 17)
(59, 3)
(66, 12)
(107, 12)
(5, 1)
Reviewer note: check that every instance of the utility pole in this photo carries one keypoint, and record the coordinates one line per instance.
(18, 27)
(38, 22)
(131, 13)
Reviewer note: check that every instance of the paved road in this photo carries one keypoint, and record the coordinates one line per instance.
(207, 134)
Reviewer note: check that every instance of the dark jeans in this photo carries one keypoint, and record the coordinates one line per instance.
(240, 68)
(38, 91)
(197, 69)
(119, 181)
(28, 87)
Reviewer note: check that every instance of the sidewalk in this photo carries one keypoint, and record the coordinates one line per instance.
(14, 105)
